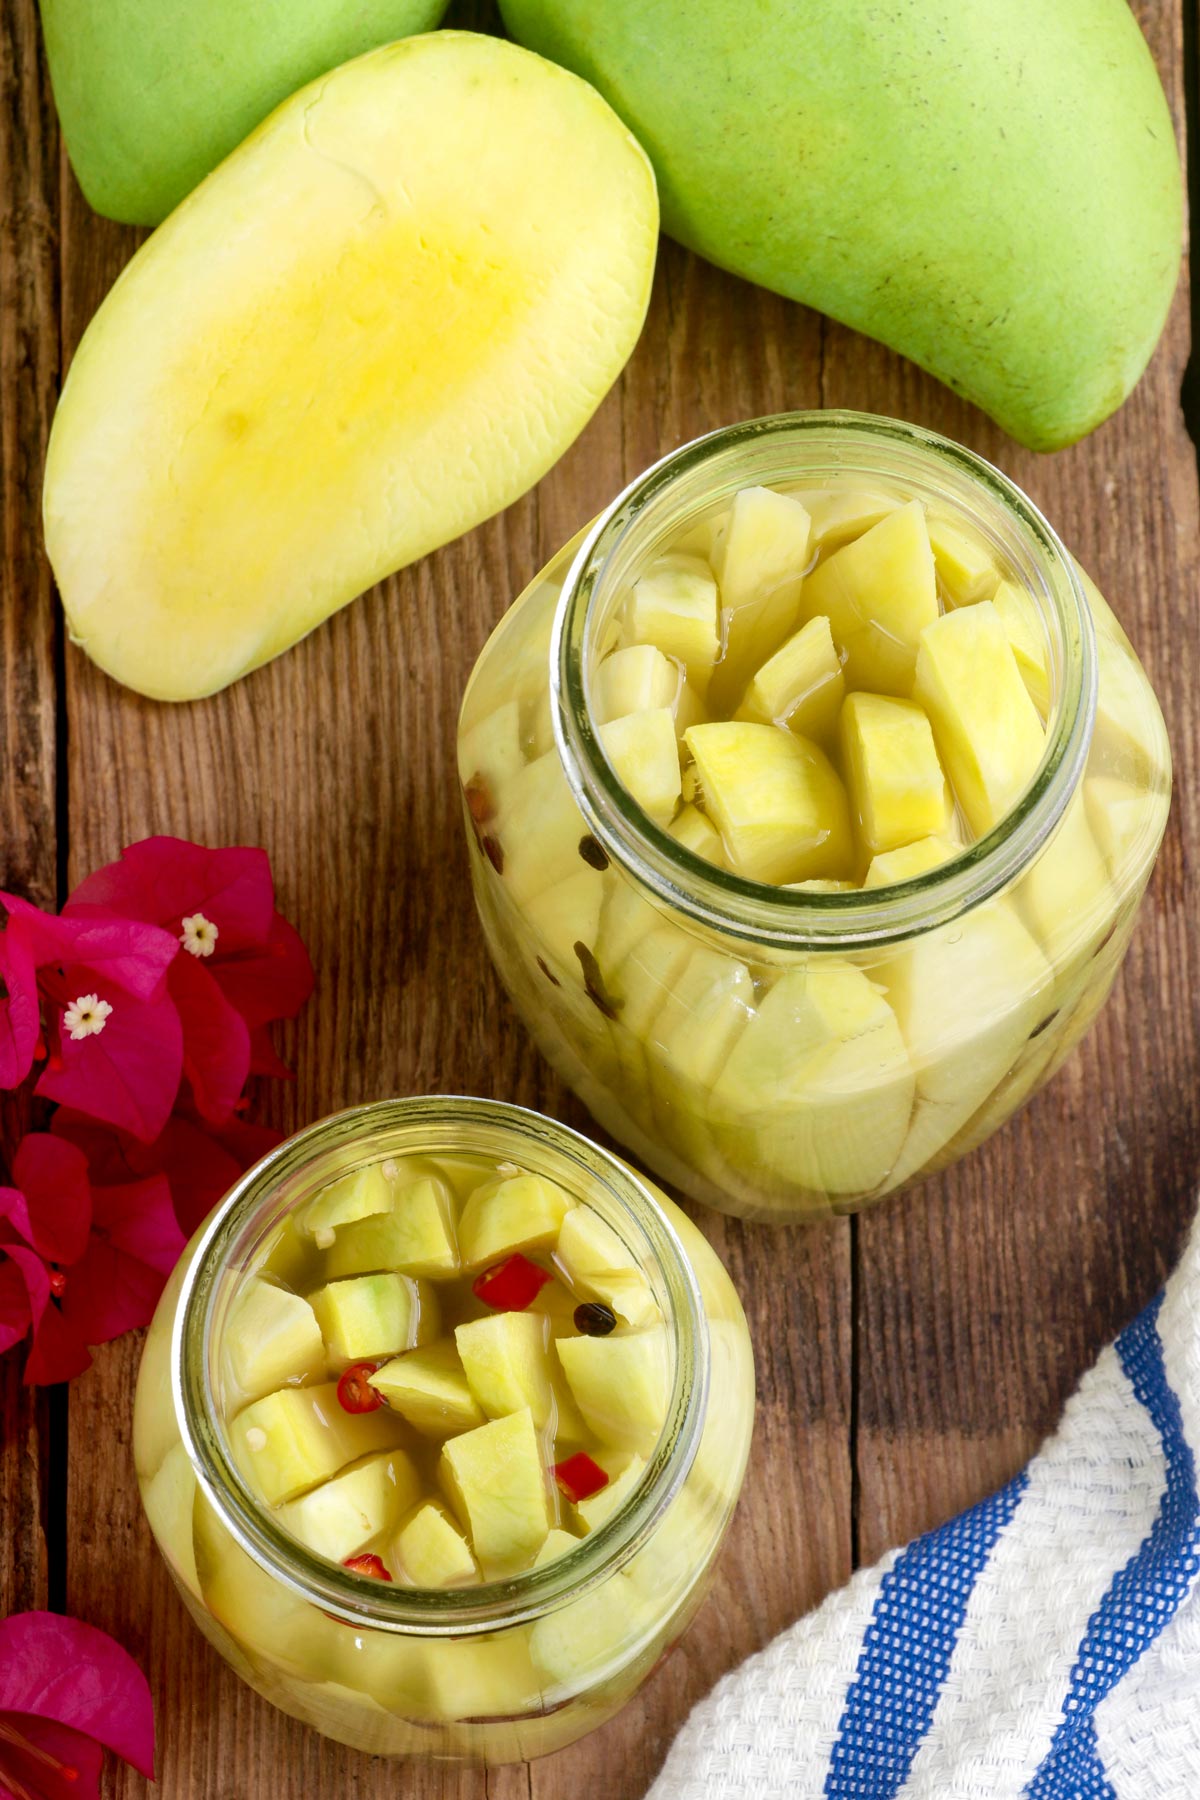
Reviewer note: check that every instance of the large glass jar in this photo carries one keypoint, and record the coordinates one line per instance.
(500, 1670)
(781, 1053)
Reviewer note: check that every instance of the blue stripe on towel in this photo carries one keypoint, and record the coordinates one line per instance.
(1143, 1596)
(906, 1650)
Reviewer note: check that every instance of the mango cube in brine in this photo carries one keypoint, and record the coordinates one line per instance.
(675, 607)
(759, 562)
(776, 800)
(801, 686)
(878, 593)
(896, 784)
(986, 726)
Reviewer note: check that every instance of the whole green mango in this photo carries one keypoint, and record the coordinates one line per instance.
(991, 187)
(152, 94)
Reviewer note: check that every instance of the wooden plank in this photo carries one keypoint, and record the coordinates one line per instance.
(985, 1295)
(975, 1312)
(365, 710)
(28, 379)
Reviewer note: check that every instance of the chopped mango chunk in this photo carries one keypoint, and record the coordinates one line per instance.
(819, 1086)
(634, 680)
(896, 785)
(759, 563)
(431, 1552)
(801, 686)
(911, 860)
(777, 800)
(986, 726)
(507, 1362)
(519, 1212)
(1019, 617)
(375, 1315)
(429, 1388)
(841, 512)
(966, 570)
(675, 606)
(644, 752)
(878, 593)
(496, 1484)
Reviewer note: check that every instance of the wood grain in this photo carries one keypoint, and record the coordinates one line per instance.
(907, 1360)
(28, 381)
(985, 1296)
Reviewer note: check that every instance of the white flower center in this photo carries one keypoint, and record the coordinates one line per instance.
(86, 1016)
(199, 935)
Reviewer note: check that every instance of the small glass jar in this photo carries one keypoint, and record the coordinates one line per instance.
(906, 1022)
(499, 1671)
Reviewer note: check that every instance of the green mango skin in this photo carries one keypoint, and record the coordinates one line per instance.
(990, 187)
(153, 94)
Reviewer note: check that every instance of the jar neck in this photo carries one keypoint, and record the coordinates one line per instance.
(673, 497)
(284, 1182)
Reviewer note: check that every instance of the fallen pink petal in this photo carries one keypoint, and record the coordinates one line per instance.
(68, 1692)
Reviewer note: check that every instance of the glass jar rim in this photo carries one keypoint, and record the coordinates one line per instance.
(712, 467)
(489, 1606)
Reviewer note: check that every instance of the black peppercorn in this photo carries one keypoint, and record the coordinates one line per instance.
(595, 1319)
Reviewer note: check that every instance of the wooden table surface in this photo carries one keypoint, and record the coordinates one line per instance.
(908, 1360)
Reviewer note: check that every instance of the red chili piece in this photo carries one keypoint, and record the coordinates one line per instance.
(512, 1285)
(579, 1477)
(355, 1393)
(368, 1564)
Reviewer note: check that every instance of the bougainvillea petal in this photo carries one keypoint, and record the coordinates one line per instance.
(247, 1140)
(128, 1073)
(200, 1164)
(15, 1318)
(137, 1243)
(165, 879)
(216, 1040)
(58, 1352)
(274, 983)
(64, 1671)
(51, 1204)
(19, 1012)
(265, 1059)
(80, 1758)
(130, 952)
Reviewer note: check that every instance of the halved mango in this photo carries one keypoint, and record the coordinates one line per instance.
(377, 323)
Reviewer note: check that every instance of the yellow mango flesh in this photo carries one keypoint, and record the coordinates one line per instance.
(777, 800)
(896, 785)
(878, 593)
(819, 1086)
(987, 728)
(377, 323)
(801, 686)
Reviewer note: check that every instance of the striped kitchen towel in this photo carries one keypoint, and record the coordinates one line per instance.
(1044, 1644)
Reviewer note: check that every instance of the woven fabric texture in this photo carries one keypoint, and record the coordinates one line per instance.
(1044, 1644)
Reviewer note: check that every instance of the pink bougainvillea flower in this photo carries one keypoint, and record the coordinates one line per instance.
(57, 1352)
(164, 880)
(134, 1244)
(112, 1055)
(243, 965)
(50, 1202)
(200, 1164)
(19, 1011)
(216, 1041)
(111, 1247)
(133, 954)
(270, 983)
(102, 952)
(68, 1692)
